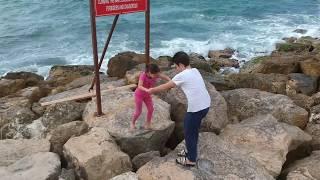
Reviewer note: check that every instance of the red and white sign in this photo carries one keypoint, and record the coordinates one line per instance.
(114, 7)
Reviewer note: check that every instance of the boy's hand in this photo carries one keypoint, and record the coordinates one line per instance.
(150, 91)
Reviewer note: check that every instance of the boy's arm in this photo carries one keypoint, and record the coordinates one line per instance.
(164, 77)
(162, 87)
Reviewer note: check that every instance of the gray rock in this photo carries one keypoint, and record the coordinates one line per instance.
(96, 156)
(141, 159)
(266, 140)
(245, 103)
(301, 83)
(13, 150)
(118, 107)
(62, 113)
(315, 114)
(61, 134)
(39, 166)
(217, 159)
(126, 176)
(67, 174)
(308, 168)
(314, 130)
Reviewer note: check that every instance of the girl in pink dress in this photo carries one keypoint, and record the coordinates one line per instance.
(147, 80)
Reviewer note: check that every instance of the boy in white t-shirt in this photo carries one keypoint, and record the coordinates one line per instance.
(192, 84)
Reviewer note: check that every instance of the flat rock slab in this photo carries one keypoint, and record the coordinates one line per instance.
(118, 108)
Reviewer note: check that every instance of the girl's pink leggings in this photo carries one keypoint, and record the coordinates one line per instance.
(139, 99)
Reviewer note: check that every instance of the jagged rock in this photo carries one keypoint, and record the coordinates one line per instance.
(32, 93)
(307, 168)
(14, 113)
(274, 83)
(266, 140)
(217, 159)
(96, 156)
(316, 98)
(315, 114)
(37, 109)
(223, 62)
(61, 134)
(314, 130)
(300, 31)
(273, 64)
(62, 75)
(85, 80)
(67, 174)
(301, 83)
(118, 108)
(199, 62)
(226, 53)
(294, 47)
(122, 62)
(311, 67)
(304, 101)
(13, 150)
(39, 166)
(215, 120)
(126, 176)
(35, 130)
(11, 86)
(30, 79)
(132, 76)
(245, 103)
(141, 159)
(62, 113)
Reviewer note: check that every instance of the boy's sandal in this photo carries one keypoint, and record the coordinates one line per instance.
(182, 153)
(183, 161)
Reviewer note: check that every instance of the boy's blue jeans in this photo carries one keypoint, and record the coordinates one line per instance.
(192, 122)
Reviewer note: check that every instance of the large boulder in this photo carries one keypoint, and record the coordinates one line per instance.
(311, 67)
(13, 150)
(95, 155)
(294, 47)
(301, 83)
(307, 168)
(39, 166)
(226, 53)
(62, 75)
(85, 80)
(31, 79)
(223, 62)
(266, 140)
(215, 120)
(315, 114)
(118, 108)
(273, 64)
(34, 94)
(302, 100)
(122, 62)
(199, 62)
(217, 159)
(274, 83)
(8, 86)
(126, 176)
(245, 103)
(62, 113)
(141, 159)
(314, 130)
(316, 98)
(14, 113)
(61, 134)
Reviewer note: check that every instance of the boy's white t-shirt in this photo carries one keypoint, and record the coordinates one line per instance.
(192, 84)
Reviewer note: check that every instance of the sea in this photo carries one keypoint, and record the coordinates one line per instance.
(36, 34)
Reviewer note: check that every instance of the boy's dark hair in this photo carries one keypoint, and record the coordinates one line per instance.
(181, 57)
(152, 68)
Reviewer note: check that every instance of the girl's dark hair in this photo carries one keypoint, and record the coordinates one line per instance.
(152, 68)
(181, 57)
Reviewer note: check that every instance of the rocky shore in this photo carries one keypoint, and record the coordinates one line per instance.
(263, 124)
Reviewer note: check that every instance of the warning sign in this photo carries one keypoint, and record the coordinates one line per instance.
(114, 7)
